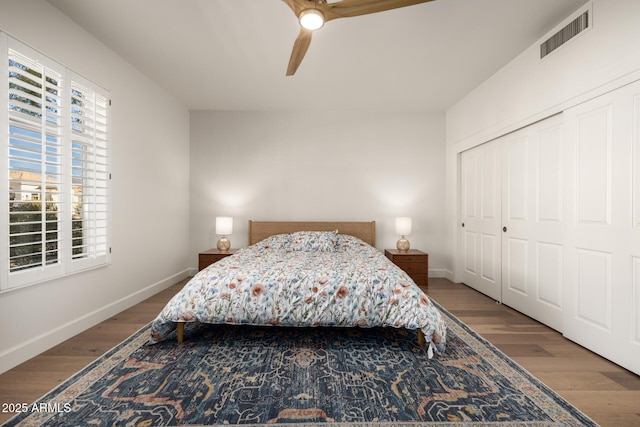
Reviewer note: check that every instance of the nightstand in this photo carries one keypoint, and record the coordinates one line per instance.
(210, 256)
(414, 262)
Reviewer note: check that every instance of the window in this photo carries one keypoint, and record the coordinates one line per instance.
(57, 159)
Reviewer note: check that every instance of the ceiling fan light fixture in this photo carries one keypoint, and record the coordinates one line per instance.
(311, 19)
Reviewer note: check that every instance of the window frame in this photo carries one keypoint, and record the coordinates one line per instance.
(81, 201)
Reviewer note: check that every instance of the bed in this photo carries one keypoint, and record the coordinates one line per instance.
(305, 274)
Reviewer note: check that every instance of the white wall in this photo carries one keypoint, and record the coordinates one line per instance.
(529, 86)
(150, 193)
(352, 166)
(529, 89)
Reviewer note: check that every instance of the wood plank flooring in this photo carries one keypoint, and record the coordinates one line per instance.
(607, 393)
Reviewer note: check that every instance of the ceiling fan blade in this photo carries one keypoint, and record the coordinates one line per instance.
(349, 8)
(297, 5)
(300, 48)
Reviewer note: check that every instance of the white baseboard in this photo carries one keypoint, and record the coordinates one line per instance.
(18, 354)
(440, 273)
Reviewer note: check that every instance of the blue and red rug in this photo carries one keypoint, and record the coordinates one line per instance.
(252, 375)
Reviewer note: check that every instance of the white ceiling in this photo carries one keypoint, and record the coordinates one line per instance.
(233, 54)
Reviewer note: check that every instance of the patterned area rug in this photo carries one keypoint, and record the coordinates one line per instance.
(253, 375)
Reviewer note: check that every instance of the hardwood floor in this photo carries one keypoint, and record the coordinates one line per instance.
(607, 393)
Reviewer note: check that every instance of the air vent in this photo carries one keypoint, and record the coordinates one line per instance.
(572, 29)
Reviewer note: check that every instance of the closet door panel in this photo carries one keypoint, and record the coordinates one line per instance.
(517, 285)
(548, 274)
(590, 261)
(480, 219)
(489, 174)
(471, 253)
(593, 158)
(532, 262)
(517, 181)
(490, 269)
(517, 259)
(549, 176)
(593, 302)
(601, 286)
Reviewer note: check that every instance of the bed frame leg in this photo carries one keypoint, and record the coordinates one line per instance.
(420, 337)
(180, 332)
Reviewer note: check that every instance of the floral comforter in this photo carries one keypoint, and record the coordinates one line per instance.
(305, 279)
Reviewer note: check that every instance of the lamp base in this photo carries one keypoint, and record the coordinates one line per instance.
(403, 245)
(223, 244)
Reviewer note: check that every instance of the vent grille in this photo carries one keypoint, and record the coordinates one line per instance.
(572, 29)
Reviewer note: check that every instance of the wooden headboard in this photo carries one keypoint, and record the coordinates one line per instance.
(259, 230)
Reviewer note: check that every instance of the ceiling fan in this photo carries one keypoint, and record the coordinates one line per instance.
(312, 15)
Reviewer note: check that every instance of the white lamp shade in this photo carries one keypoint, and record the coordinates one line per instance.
(403, 225)
(224, 225)
(311, 19)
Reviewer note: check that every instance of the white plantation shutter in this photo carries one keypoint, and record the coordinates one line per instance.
(89, 174)
(56, 209)
(35, 156)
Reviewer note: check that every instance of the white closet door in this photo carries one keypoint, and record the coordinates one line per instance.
(480, 219)
(532, 220)
(602, 289)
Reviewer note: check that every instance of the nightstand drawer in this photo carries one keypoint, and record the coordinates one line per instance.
(408, 259)
(413, 267)
(206, 258)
